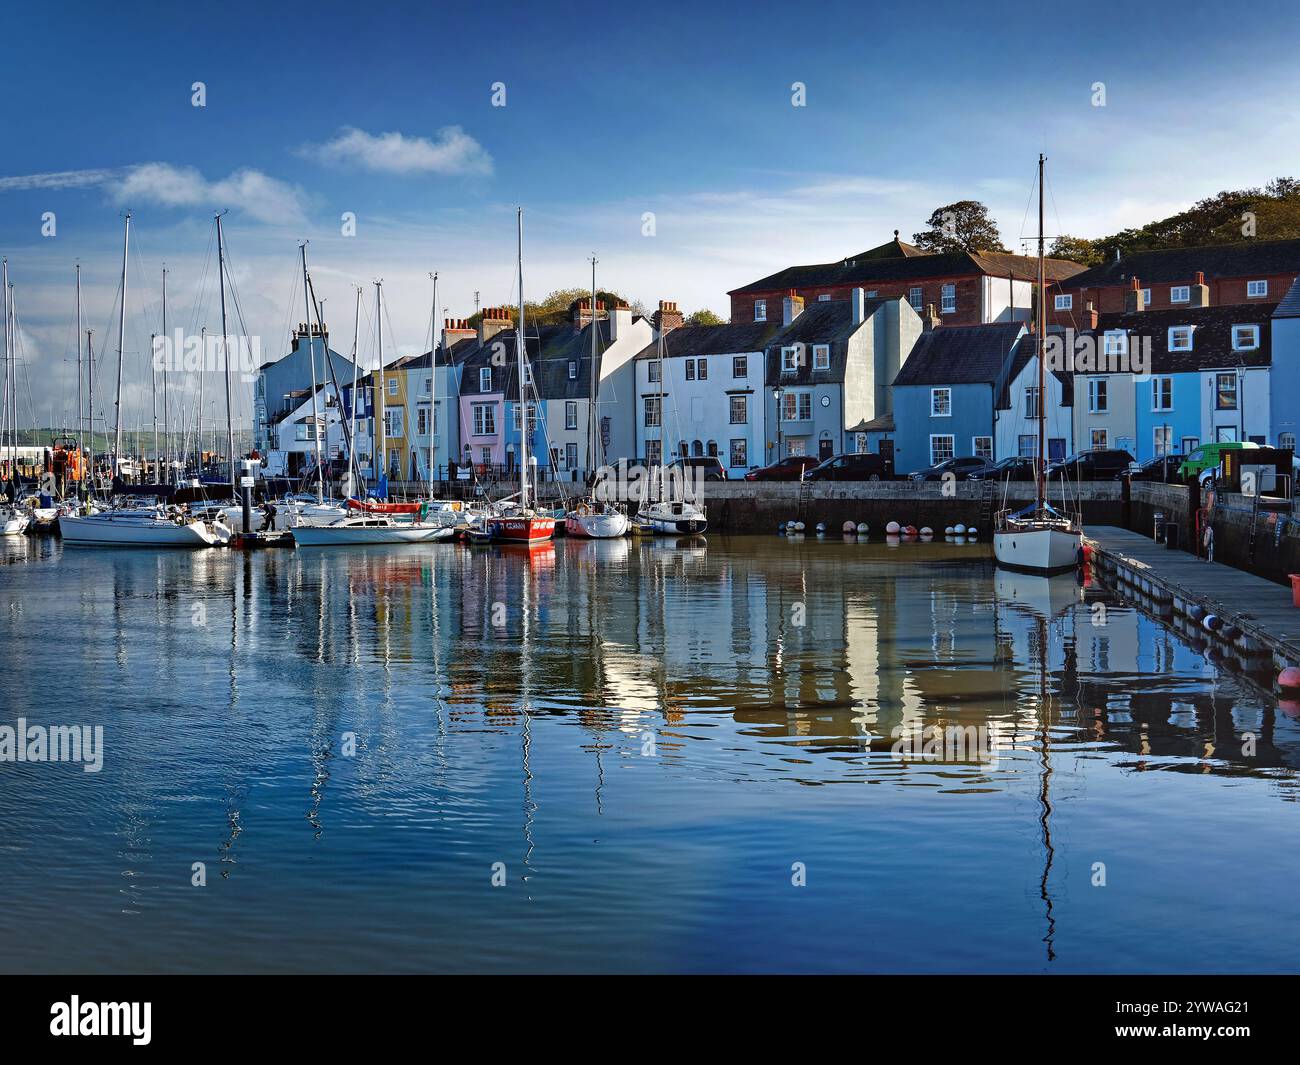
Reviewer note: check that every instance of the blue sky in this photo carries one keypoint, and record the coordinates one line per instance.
(683, 110)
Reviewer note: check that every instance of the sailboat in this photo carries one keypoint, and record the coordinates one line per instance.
(669, 515)
(1039, 538)
(592, 517)
(13, 521)
(520, 524)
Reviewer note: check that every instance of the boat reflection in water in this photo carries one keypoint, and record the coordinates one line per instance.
(647, 738)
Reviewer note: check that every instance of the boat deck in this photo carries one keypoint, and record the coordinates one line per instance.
(1261, 609)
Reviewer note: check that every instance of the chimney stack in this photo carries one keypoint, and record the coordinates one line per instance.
(620, 321)
(1134, 301)
(858, 303)
(1089, 320)
(454, 330)
(1200, 293)
(494, 321)
(668, 316)
(791, 307)
(930, 321)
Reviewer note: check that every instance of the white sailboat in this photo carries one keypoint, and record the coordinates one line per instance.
(13, 520)
(673, 514)
(594, 518)
(1039, 538)
(370, 529)
(145, 526)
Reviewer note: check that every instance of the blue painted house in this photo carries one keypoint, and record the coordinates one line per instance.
(946, 393)
(1284, 384)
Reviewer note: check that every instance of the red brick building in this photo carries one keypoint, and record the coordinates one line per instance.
(964, 288)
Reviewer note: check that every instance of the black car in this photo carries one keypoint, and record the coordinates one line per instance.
(855, 467)
(1161, 468)
(1015, 468)
(960, 468)
(1098, 464)
(710, 464)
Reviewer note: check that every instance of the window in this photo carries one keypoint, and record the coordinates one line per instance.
(941, 448)
(1031, 402)
(690, 369)
(571, 456)
(712, 449)
(1225, 391)
(982, 446)
(1163, 439)
(428, 386)
(872, 294)
(1098, 400)
(941, 402)
(485, 379)
(1098, 438)
(571, 414)
(393, 422)
(697, 449)
(1190, 444)
(1245, 337)
(1225, 434)
(739, 410)
(306, 430)
(651, 411)
(555, 457)
(821, 356)
(1115, 342)
(573, 370)
(485, 456)
(760, 310)
(1256, 290)
(1028, 446)
(392, 386)
(739, 453)
(1286, 440)
(796, 406)
(485, 419)
(824, 297)
(422, 421)
(653, 374)
(739, 366)
(1146, 297)
(1180, 338)
(1162, 393)
(796, 446)
(528, 374)
(1064, 302)
(1180, 294)
(517, 417)
(948, 299)
(653, 452)
(702, 368)
(791, 358)
(914, 298)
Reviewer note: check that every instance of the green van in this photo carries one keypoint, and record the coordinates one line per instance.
(1209, 457)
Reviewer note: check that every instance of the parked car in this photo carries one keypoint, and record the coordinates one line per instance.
(854, 467)
(1204, 461)
(710, 464)
(1161, 468)
(960, 467)
(790, 468)
(1098, 464)
(1014, 468)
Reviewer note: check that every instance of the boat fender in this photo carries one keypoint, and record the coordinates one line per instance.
(849, 527)
(1289, 679)
(863, 528)
(893, 528)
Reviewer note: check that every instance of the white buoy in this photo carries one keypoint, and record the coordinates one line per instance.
(948, 531)
(972, 532)
(926, 530)
(893, 528)
(863, 528)
(959, 529)
(849, 527)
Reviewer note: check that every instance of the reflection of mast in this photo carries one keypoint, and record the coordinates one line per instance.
(1044, 799)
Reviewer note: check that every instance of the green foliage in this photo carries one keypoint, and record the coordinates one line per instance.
(703, 317)
(961, 226)
(1076, 249)
(557, 306)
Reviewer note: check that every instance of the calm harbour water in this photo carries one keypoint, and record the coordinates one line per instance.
(654, 740)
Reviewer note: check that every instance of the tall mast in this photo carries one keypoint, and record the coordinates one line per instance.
(381, 450)
(352, 414)
(121, 334)
(167, 440)
(594, 387)
(433, 385)
(311, 348)
(198, 428)
(4, 409)
(225, 356)
(523, 362)
(153, 383)
(81, 424)
(1042, 342)
(90, 411)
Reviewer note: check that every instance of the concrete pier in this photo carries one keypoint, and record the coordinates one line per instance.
(1256, 615)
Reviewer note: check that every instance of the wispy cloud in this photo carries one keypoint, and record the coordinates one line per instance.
(262, 197)
(453, 153)
(58, 179)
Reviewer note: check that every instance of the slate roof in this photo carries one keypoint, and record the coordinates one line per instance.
(1211, 338)
(1290, 305)
(883, 423)
(1249, 258)
(549, 349)
(713, 340)
(960, 355)
(908, 267)
(822, 322)
(1024, 351)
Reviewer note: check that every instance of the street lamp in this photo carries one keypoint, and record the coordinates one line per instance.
(776, 395)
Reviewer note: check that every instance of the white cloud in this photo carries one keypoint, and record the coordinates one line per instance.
(262, 197)
(454, 152)
(57, 179)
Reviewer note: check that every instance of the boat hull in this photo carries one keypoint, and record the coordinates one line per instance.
(336, 536)
(1037, 550)
(109, 530)
(521, 530)
(597, 526)
(14, 525)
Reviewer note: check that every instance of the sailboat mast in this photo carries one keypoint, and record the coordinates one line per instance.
(523, 362)
(4, 409)
(352, 414)
(381, 433)
(167, 439)
(225, 357)
(121, 335)
(594, 387)
(81, 424)
(90, 411)
(1042, 345)
(198, 428)
(433, 385)
(153, 384)
(311, 350)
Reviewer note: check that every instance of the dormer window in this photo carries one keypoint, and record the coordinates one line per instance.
(573, 370)
(825, 297)
(1180, 294)
(485, 379)
(790, 359)
(1180, 338)
(1256, 290)
(1064, 302)
(821, 356)
(760, 310)
(1245, 337)
(1116, 342)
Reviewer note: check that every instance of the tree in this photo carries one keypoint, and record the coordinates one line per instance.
(703, 317)
(961, 226)
(557, 306)
(1076, 249)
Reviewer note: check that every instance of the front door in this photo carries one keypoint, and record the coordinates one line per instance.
(825, 450)
(887, 454)
(1055, 448)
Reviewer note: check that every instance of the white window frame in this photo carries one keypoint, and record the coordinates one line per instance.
(1254, 336)
(650, 412)
(1286, 440)
(948, 299)
(743, 402)
(1092, 438)
(936, 409)
(1180, 294)
(739, 367)
(1157, 386)
(790, 359)
(741, 444)
(821, 356)
(916, 298)
(1256, 290)
(935, 456)
(573, 370)
(1031, 401)
(825, 297)
(1146, 297)
(485, 419)
(1098, 388)
(1217, 385)
(760, 310)
(1115, 342)
(1191, 338)
(392, 385)
(985, 451)
(1162, 440)
(571, 414)
(1064, 301)
(484, 379)
(652, 374)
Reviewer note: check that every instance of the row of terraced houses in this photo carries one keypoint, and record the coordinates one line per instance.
(914, 355)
